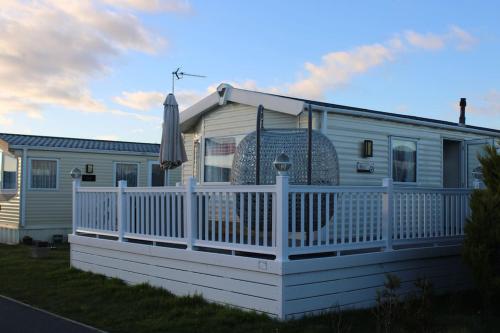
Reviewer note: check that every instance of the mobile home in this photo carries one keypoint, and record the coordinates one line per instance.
(35, 191)
(397, 203)
(444, 152)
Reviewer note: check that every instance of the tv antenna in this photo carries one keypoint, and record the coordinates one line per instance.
(177, 74)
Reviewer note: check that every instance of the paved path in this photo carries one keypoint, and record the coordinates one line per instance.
(17, 317)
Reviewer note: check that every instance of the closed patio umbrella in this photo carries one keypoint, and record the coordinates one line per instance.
(172, 151)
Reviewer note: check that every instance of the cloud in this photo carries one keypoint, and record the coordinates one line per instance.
(152, 5)
(338, 68)
(463, 39)
(486, 105)
(427, 41)
(153, 100)
(5, 120)
(456, 36)
(141, 100)
(109, 137)
(50, 49)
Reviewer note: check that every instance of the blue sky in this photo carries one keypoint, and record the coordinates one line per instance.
(100, 69)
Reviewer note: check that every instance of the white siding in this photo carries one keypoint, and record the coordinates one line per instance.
(319, 285)
(231, 119)
(218, 278)
(283, 289)
(348, 133)
(9, 210)
(51, 209)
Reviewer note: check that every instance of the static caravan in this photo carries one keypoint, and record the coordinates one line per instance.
(342, 197)
(370, 145)
(35, 194)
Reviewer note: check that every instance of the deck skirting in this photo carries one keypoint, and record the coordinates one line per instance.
(280, 289)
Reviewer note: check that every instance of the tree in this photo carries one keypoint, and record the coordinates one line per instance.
(482, 232)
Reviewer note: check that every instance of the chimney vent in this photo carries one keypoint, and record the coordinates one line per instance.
(463, 103)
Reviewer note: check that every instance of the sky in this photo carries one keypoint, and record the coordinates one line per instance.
(101, 69)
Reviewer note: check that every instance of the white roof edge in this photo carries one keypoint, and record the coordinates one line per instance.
(275, 103)
(200, 106)
(294, 107)
(189, 116)
(395, 118)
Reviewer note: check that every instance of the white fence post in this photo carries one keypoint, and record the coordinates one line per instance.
(76, 202)
(387, 212)
(281, 218)
(121, 208)
(190, 204)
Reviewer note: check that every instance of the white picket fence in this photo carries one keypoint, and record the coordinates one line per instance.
(282, 220)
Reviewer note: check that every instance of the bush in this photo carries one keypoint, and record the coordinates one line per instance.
(482, 232)
(388, 308)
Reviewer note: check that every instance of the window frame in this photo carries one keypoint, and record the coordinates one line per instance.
(30, 169)
(150, 174)
(202, 164)
(391, 166)
(115, 163)
(2, 160)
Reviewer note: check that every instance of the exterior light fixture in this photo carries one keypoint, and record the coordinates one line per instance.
(76, 173)
(368, 148)
(282, 164)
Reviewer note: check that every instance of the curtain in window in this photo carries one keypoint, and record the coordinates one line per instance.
(128, 172)
(43, 174)
(219, 153)
(404, 160)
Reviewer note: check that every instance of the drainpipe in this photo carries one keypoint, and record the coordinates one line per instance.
(309, 145)
(324, 122)
(24, 187)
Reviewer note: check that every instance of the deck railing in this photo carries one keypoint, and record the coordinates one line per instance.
(283, 221)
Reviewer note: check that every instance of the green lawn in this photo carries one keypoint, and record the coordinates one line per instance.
(111, 305)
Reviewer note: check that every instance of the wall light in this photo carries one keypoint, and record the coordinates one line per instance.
(368, 148)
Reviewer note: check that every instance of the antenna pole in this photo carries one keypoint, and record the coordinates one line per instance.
(180, 75)
(173, 82)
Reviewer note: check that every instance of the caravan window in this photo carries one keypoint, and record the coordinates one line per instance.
(8, 176)
(219, 153)
(43, 174)
(404, 160)
(156, 175)
(128, 172)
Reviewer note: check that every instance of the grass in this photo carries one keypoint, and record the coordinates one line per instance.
(111, 305)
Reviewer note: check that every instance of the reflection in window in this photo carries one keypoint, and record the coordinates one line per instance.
(128, 172)
(404, 160)
(219, 153)
(9, 171)
(157, 175)
(43, 174)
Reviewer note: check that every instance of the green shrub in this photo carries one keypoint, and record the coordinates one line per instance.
(388, 308)
(482, 232)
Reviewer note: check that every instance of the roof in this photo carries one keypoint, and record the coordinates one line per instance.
(60, 143)
(375, 112)
(294, 106)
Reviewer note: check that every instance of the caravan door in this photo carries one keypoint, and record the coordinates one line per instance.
(473, 149)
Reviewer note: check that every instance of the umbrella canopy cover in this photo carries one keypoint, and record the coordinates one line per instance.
(172, 151)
